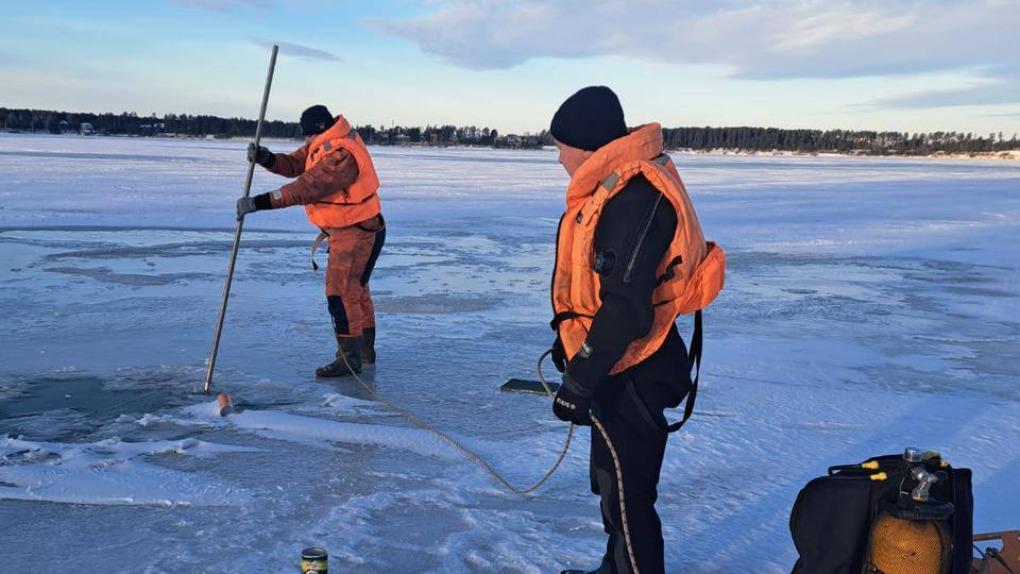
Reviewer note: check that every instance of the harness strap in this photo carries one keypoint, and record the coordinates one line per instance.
(382, 225)
(323, 235)
(347, 203)
(564, 316)
(315, 247)
(670, 271)
(694, 355)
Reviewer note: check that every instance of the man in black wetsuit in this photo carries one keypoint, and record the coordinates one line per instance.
(634, 230)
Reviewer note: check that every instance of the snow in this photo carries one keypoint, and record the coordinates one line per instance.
(314, 430)
(871, 304)
(109, 472)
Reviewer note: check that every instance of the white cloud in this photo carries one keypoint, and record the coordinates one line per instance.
(221, 5)
(989, 93)
(299, 50)
(818, 31)
(750, 39)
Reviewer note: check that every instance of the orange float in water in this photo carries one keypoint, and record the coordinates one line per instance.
(225, 405)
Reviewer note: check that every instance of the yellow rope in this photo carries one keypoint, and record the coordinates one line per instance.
(619, 488)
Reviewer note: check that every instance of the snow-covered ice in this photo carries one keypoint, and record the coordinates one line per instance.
(871, 304)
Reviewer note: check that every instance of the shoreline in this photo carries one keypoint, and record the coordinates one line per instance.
(1005, 155)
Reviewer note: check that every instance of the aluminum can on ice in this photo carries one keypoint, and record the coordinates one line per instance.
(314, 560)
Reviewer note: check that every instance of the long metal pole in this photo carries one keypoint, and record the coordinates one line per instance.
(211, 366)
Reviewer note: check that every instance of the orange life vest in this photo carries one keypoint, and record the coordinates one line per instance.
(352, 205)
(690, 274)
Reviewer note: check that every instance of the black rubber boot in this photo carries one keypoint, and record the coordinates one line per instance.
(604, 568)
(368, 346)
(350, 348)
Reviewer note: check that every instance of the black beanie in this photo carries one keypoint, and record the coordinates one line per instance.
(315, 120)
(589, 119)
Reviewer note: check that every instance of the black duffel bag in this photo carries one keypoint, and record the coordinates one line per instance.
(834, 514)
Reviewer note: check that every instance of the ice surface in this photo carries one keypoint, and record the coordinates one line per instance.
(109, 472)
(870, 304)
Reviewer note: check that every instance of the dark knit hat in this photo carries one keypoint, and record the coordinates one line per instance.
(589, 119)
(315, 120)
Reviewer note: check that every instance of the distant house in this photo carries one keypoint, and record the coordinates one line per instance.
(516, 141)
(86, 129)
(152, 129)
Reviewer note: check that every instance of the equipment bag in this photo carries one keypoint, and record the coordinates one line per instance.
(834, 517)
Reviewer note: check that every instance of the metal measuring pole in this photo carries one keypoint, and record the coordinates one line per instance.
(237, 232)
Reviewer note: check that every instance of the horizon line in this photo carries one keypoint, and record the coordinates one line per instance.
(392, 125)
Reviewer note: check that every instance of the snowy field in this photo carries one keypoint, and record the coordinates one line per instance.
(870, 304)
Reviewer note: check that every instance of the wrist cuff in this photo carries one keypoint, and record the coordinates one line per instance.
(263, 201)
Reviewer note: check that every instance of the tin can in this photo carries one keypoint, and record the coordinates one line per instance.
(314, 560)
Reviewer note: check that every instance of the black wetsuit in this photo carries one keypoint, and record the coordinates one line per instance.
(633, 234)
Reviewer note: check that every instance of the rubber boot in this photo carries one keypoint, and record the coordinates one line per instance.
(604, 568)
(349, 349)
(368, 346)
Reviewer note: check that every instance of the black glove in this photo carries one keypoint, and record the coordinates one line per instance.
(261, 155)
(573, 403)
(559, 355)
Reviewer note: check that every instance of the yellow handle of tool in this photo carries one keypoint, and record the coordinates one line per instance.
(879, 476)
(870, 465)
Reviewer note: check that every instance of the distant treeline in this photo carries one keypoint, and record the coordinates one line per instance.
(838, 141)
(693, 138)
(131, 124)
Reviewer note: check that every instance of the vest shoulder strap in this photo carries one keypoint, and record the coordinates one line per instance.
(351, 137)
(610, 182)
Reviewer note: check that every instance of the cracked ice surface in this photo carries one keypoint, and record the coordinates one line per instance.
(870, 304)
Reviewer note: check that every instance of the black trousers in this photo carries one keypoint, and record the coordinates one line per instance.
(630, 407)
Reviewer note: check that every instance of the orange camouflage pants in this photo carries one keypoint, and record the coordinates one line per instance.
(352, 253)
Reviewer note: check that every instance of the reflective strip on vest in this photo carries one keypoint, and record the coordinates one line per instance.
(610, 182)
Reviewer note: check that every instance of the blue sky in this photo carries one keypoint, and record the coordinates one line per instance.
(891, 64)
